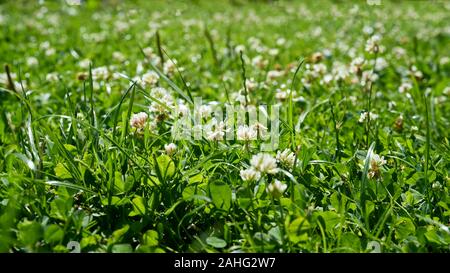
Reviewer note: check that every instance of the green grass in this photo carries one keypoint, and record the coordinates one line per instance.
(73, 171)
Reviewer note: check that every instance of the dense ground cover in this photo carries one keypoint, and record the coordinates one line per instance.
(90, 95)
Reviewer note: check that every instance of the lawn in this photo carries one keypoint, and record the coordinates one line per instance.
(224, 126)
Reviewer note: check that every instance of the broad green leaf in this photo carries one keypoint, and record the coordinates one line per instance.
(331, 220)
(62, 172)
(29, 232)
(404, 228)
(220, 195)
(53, 234)
(118, 234)
(150, 238)
(166, 166)
(91, 240)
(298, 230)
(60, 208)
(198, 178)
(216, 242)
(138, 203)
(119, 184)
(72, 149)
(350, 242)
(115, 201)
(122, 248)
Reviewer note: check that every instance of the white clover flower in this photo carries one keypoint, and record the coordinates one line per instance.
(259, 128)
(250, 175)
(170, 148)
(215, 130)
(259, 62)
(239, 48)
(319, 69)
(251, 84)
(357, 64)
(281, 94)
(376, 162)
(373, 44)
(276, 189)
(164, 98)
(281, 41)
(368, 30)
(100, 73)
(365, 115)
(405, 87)
(118, 56)
(148, 52)
(286, 157)
(399, 52)
(264, 163)
(170, 67)
(444, 60)
(32, 61)
(182, 110)
(380, 64)
(121, 26)
(138, 120)
(273, 51)
(246, 133)
(339, 71)
(416, 72)
(52, 77)
(368, 76)
(327, 78)
(239, 96)
(446, 91)
(273, 74)
(50, 51)
(150, 78)
(84, 63)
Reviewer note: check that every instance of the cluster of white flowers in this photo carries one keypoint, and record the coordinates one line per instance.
(373, 44)
(286, 158)
(100, 73)
(246, 133)
(264, 163)
(4, 81)
(357, 64)
(118, 56)
(164, 101)
(52, 77)
(138, 120)
(251, 84)
(170, 67)
(365, 115)
(215, 130)
(282, 93)
(260, 164)
(276, 189)
(368, 77)
(405, 87)
(272, 75)
(339, 72)
(313, 72)
(260, 62)
(32, 61)
(415, 72)
(250, 175)
(170, 148)
(376, 162)
(149, 79)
